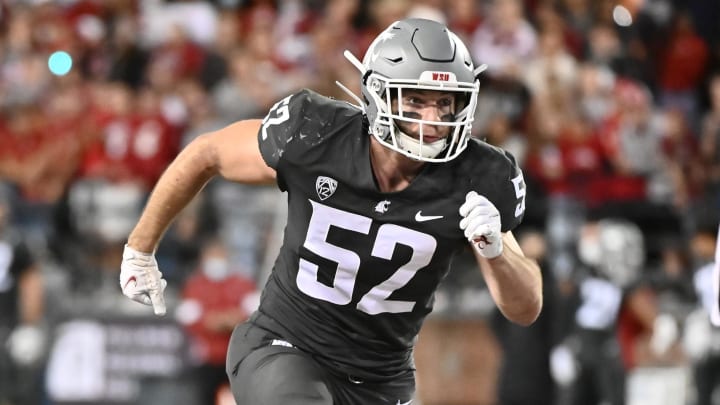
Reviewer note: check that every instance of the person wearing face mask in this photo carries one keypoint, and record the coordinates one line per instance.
(215, 298)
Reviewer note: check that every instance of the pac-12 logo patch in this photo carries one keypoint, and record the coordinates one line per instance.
(325, 186)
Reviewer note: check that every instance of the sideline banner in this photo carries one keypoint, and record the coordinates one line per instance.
(106, 360)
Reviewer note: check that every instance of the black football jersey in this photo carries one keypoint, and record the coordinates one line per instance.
(357, 271)
(15, 259)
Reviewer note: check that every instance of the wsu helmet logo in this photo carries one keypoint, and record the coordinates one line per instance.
(382, 206)
(325, 186)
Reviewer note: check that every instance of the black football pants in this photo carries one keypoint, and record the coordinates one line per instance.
(265, 370)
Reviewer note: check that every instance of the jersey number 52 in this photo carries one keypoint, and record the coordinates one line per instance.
(348, 262)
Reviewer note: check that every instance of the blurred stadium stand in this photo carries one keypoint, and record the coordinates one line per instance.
(611, 106)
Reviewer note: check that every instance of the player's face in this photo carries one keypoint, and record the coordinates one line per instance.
(426, 105)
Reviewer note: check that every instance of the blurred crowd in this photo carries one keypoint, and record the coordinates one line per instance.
(612, 108)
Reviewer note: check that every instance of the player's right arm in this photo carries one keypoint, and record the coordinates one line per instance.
(231, 152)
(249, 152)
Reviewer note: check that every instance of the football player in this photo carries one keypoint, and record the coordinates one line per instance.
(381, 196)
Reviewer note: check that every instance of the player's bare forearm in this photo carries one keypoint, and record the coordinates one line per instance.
(177, 186)
(514, 281)
(231, 152)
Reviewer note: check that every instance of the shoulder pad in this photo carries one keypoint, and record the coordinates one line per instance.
(300, 122)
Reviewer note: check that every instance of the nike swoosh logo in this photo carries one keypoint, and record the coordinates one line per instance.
(132, 278)
(422, 218)
(403, 403)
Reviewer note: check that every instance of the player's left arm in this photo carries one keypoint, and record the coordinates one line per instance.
(514, 280)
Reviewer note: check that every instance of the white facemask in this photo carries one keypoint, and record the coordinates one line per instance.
(426, 149)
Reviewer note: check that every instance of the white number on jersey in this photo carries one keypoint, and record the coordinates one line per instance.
(520, 190)
(283, 113)
(600, 304)
(348, 262)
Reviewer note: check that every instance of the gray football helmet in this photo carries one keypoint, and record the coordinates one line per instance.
(418, 54)
(615, 248)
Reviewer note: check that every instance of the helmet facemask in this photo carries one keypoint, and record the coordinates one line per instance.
(387, 125)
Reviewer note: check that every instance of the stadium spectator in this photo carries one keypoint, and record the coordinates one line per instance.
(506, 40)
(214, 299)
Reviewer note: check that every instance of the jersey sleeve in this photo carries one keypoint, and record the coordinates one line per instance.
(278, 128)
(512, 200)
(298, 127)
(298, 130)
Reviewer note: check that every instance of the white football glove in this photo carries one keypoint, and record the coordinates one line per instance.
(481, 223)
(141, 280)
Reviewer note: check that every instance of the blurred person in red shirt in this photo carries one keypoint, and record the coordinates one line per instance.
(651, 315)
(215, 298)
(40, 143)
(566, 158)
(682, 66)
(40, 148)
(644, 183)
(134, 142)
(632, 141)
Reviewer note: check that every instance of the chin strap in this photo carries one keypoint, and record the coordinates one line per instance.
(413, 146)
